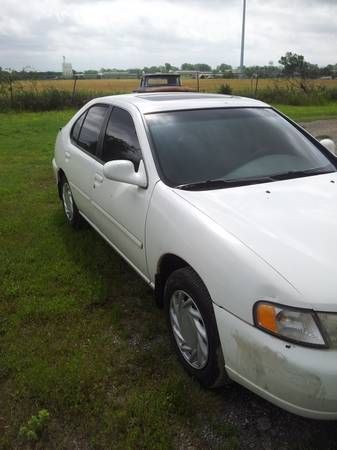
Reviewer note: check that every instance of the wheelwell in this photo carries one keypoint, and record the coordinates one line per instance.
(60, 176)
(167, 264)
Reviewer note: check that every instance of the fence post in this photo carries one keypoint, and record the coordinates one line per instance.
(74, 89)
(11, 91)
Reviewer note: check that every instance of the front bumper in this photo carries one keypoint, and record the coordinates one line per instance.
(299, 379)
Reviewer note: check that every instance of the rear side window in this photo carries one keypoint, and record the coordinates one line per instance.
(90, 128)
(75, 132)
(121, 141)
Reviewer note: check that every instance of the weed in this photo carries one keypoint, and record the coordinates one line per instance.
(225, 89)
(35, 426)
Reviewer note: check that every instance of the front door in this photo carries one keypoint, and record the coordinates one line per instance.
(120, 208)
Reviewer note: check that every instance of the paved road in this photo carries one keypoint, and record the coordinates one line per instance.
(322, 128)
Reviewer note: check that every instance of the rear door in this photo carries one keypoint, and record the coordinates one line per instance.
(81, 154)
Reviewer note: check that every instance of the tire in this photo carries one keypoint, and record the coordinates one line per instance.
(193, 328)
(70, 209)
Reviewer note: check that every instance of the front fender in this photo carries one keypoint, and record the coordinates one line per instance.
(234, 275)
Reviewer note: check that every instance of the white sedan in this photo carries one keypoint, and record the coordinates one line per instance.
(229, 211)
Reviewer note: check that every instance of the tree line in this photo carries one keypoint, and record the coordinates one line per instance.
(289, 65)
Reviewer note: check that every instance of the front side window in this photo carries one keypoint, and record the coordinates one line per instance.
(121, 141)
(91, 128)
(232, 144)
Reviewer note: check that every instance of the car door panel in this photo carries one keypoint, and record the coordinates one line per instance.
(80, 155)
(121, 208)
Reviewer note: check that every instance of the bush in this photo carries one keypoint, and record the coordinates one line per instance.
(225, 89)
(46, 100)
(296, 92)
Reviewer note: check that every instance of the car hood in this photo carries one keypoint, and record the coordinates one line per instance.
(291, 224)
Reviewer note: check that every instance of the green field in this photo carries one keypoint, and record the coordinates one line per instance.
(309, 113)
(79, 333)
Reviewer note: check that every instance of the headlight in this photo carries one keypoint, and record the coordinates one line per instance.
(329, 324)
(294, 325)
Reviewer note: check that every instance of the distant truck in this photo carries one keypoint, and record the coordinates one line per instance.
(161, 82)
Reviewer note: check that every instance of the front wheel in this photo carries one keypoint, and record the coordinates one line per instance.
(193, 328)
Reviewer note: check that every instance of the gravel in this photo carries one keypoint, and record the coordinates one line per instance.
(322, 128)
(262, 425)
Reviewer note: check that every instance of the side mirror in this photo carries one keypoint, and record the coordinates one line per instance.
(124, 171)
(330, 145)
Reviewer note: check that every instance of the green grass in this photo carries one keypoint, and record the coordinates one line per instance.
(80, 336)
(309, 113)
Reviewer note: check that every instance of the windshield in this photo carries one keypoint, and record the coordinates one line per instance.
(197, 146)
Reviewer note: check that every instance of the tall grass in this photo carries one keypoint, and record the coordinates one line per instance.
(295, 96)
(46, 100)
(58, 94)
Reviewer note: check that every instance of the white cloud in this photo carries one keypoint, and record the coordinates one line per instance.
(129, 33)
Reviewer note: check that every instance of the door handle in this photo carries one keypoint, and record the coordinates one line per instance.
(67, 154)
(99, 178)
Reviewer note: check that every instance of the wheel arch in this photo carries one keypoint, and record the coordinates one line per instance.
(60, 176)
(167, 264)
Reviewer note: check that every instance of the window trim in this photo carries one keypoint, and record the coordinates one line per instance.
(99, 140)
(100, 148)
(84, 115)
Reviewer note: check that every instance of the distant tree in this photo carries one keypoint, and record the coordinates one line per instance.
(223, 68)
(326, 71)
(202, 67)
(187, 66)
(293, 64)
(296, 65)
(262, 71)
(311, 71)
(170, 68)
(154, 69)
(135, 71)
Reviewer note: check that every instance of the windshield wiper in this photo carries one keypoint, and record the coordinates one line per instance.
(221, 183)
(301, 173)
(225, 183)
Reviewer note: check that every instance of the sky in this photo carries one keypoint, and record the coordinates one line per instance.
(137, 33)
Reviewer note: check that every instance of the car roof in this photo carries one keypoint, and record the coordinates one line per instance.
(172, 101)
(161, 75)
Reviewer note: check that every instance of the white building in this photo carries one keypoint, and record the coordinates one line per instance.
(67, 69)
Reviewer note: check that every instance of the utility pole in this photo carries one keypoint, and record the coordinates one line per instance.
(243, 38)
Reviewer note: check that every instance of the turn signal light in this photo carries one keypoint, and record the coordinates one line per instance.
(266, 317)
